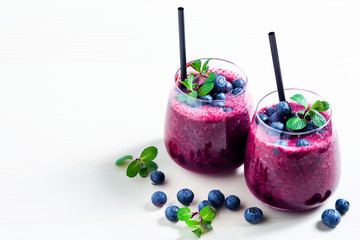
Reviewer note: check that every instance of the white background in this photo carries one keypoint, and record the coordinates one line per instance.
(85, 82)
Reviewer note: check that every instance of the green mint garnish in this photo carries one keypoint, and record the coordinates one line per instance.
(299, 122)
(202, 223)
(142, 165)
(191, 86)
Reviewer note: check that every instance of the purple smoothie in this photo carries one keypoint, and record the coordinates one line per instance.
(206, 139)
(291, 177)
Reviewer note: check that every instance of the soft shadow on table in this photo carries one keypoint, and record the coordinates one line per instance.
(274, 220)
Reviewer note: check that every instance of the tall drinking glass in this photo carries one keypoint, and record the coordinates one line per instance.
(292, 170)
(209, 136)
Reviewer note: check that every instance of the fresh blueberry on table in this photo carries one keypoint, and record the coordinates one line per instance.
(263, 118)
(228, 87)
(283, 109)
(238, 83)
(219, 104)
(303, 143)
(236, 91)
(219, 83)
(203, 204)
(253, 215)
(227, 110)
(157, 177)
(282, 142)
(278, 126)
(331, 217)
(270, 111)
(232, 202)
(171, 213)
(216, 198)
(185, 196)
(342, 205)
(159, 198)
(220, 96)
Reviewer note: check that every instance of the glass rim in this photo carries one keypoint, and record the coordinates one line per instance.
(218, 59)
(292, 133)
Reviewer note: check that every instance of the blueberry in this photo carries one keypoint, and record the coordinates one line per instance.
(275, 118)
(282, 142)
(263, 118)
(303, 143)
(185, 196)
(283, 109)
(203, 204)
(207, 98)
(278, 126)
(228, 87)
(219, 84)
(236, 91)
(218, 104)
(159, 198)
(238, 83)
(220, 96)
(309, 127)
(216, 198)
(171, 213)
(227, 110)
(253, 215)
(342, 205)
(270, 111)
(232, 202)
(331, 217)
(157, 177)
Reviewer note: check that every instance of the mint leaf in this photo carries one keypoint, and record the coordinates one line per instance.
(211, 76)
(184, 214)
(143, 172)
(205, 89)
(181, 97)
(208, 213)
(205, 67)
(185, 83)
(195, 85)
(300, 99)
(296, 123)
(320, 106)
(151, 165)
(149, 154)
(192, 100)
(192, 223)
(197, 232)
(196, 65)
(133, 168)
(122, 159)
(318, 119)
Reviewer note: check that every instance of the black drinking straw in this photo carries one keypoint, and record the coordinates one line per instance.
(182, 43)
(276, 62)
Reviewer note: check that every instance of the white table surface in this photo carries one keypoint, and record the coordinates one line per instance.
(85, 82)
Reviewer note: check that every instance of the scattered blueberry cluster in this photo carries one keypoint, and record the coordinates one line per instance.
(332, 217)
(221, 87)
(215, 198)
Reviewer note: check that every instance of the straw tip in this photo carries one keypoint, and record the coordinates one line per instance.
(180, 8)
(271, 33)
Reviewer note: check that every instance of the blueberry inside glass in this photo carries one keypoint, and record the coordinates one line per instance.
(291, 169)
(207, 119)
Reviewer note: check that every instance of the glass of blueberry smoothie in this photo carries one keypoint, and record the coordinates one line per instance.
(208, 117)
(292, 155)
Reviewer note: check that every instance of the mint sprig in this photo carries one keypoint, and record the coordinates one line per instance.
(202, 223)
(208, 85)
(299, 121)
(142, 165)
